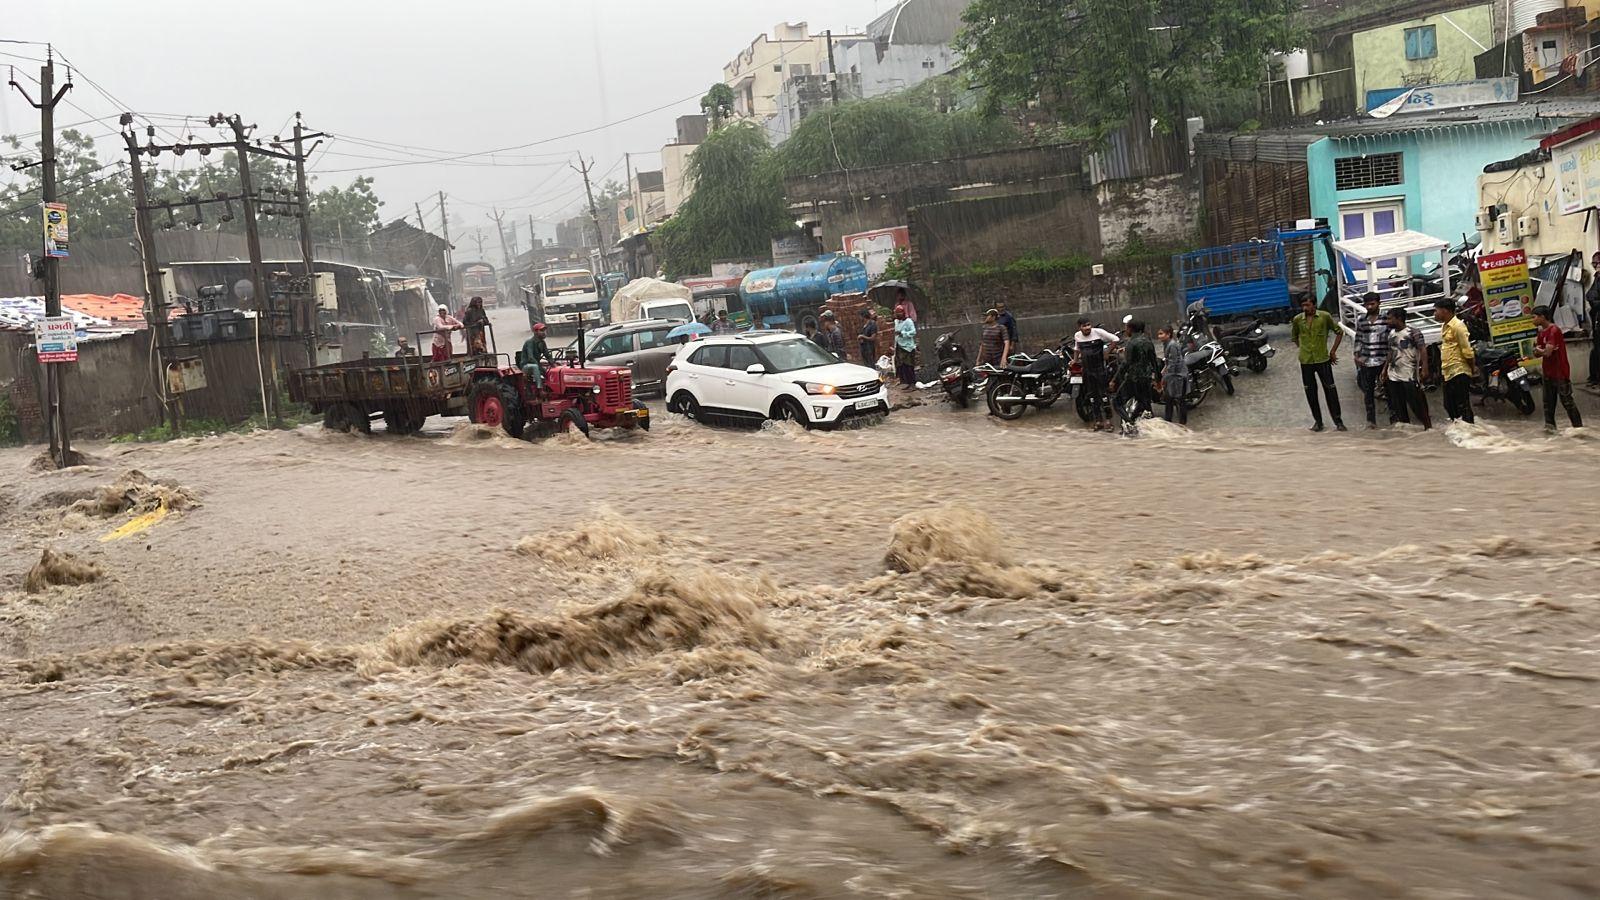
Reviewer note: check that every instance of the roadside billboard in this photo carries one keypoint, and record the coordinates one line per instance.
(1578, 174)
(875, 248)
(1508, 300)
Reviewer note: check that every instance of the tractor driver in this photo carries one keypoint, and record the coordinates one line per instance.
(536, 352)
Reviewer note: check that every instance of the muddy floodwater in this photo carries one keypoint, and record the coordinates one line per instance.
(943, 657)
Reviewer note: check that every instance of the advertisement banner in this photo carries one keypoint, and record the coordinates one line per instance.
(55, 230)
(875, 248)
(56, 341)
(1578, 174)
(1508, 299)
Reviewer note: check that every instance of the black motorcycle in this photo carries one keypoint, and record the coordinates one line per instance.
(952, 371)
(1026, 381)
(1502, 376)
(1245, 341)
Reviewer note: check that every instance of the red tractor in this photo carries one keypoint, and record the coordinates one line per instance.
(574, 395)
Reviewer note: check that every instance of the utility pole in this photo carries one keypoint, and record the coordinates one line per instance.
(421, 222)
(594, 214)
(532, 243)
(56, 416)
(504, 251)
(156, 308)
(449, 254)
(252, 238)
(833, 73)
(477, 236)
(303, 195)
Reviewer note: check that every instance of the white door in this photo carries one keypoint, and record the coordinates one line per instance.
(746, 392)
(703, 370)
(1358, 220)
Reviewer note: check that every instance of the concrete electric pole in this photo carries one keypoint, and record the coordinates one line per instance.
(594, 214)
(55, 412)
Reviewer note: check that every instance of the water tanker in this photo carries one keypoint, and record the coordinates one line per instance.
(792, 296)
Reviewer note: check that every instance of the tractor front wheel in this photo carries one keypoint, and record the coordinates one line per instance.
(572, 419)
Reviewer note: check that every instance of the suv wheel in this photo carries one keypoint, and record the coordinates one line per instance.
(787, 409)
(684, 403)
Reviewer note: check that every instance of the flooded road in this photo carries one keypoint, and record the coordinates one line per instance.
(944, 657)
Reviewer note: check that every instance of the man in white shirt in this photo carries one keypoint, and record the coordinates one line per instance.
(1092, 346)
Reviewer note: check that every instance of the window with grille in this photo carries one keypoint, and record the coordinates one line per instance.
(1373, 170)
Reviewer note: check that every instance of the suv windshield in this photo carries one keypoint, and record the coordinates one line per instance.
(798, 353)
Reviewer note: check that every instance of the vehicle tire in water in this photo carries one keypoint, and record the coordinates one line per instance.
(1227, 384)
(496, 405)
(685, 405)
(1257, 363)
(1084, 407)
(644, 422)
(1521, 398)
(1005, 400)
(572, 419)
(787, 410)
(333, 418)
(400, 420)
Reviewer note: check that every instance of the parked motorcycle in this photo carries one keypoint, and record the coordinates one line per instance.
(1245, 342)
(952, 372)
(1208, 366)
(1026, 381)
(1501, 375)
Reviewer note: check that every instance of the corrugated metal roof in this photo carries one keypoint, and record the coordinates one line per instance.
(919, 22)
(1265, 146)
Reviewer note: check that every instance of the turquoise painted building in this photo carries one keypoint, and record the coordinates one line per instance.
(1420, 171)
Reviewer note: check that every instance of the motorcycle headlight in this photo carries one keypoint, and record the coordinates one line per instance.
(816, 389)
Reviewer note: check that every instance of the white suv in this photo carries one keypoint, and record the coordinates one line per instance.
(771, 375)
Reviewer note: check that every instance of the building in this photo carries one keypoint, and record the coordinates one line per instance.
(644, 205)
(1370, 176)
(909, 44)
(676, 183)
(757, 75)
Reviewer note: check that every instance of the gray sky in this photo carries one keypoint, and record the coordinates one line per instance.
(462, 76)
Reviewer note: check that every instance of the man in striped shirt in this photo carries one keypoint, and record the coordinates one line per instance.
(1372, 352)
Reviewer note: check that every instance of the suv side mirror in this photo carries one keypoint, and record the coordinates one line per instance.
(755, 369)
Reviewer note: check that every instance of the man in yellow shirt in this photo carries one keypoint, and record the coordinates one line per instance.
(1457, 361)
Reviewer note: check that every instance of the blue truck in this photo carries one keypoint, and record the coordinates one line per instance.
(793, 296)
(1254, 278)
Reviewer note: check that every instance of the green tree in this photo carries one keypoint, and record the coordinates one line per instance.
(736, 208)
(890, 130)
(1098, 64)
(96, 194)
(717, 104)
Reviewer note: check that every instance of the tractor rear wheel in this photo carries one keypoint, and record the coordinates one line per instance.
(492, 403)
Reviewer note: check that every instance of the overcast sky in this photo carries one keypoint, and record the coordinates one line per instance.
(461, 76)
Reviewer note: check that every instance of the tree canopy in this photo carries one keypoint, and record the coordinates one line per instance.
(736, 208)
(1098, 64)
(896, 128)
(717, 104)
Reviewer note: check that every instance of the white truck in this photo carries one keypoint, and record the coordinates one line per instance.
(570, 301)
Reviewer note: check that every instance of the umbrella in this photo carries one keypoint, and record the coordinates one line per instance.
(692, 329)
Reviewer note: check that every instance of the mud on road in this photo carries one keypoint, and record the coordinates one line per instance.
(943, 657)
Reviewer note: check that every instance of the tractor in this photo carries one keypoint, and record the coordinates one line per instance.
(573, 396)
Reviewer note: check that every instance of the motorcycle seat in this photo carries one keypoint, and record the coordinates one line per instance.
(1197, 359)
(1039, 366)
(1234, 329)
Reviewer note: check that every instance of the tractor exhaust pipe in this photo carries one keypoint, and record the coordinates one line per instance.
(582, 347)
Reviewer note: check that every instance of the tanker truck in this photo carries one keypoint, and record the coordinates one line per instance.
(792, 296)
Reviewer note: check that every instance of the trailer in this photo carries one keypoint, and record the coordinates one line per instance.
(1254, 278)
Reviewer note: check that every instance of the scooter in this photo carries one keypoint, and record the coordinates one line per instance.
(1502, 376)
(1208, 366)
(1037, 381)
(1245, 341)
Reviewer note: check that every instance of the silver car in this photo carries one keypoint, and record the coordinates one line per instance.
(641, 346)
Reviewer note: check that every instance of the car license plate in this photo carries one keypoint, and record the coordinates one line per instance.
(866, 404)
(1517, 374)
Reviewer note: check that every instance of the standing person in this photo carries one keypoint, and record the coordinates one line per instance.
(1593, 298)
(1135, 374)
(721, 325)
(830, 338)
(1310, 331)
(905, 347)
(994, 347)
(867, 338)
(476, 320)
(903, 301)
(1372, 353)
(1091, 345)
(1405, 370)
(756, 323)
(1457, 360)
(1010, 323)
(444, 345)
(1551, 347)
(1174, 376)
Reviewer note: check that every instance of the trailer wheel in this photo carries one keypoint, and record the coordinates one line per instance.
(400, 420)
(492, 403)
(571, 418)
(342, 417)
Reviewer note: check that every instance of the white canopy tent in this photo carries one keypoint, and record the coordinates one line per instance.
(1395, 292)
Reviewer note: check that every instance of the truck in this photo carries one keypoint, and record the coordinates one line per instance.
(477, 279)
(569, 301)
(793, 296)
(1253, 278)
(403, 391)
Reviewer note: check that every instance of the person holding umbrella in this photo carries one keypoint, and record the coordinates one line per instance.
(905, 347)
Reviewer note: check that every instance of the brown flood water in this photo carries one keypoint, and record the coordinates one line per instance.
(939, 658)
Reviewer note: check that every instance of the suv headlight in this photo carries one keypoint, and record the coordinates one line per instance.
(815, 389)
